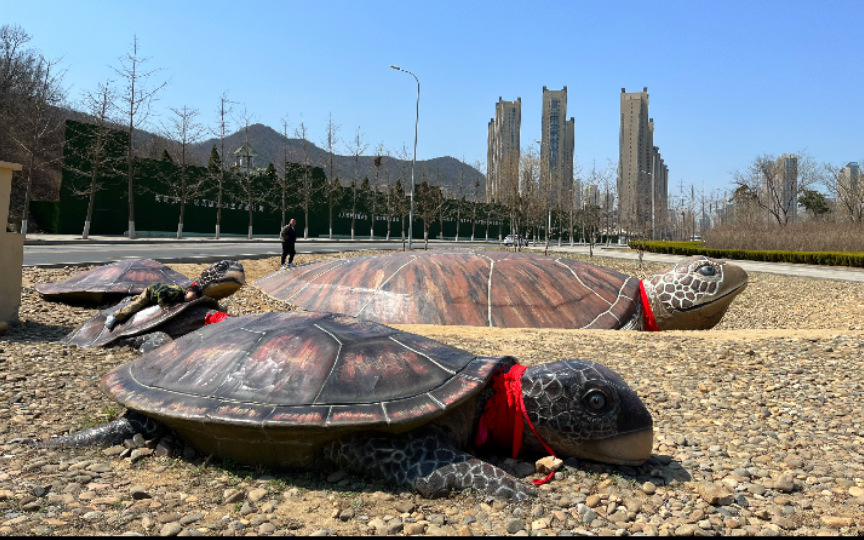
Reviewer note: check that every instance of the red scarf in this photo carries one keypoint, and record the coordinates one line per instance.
(650, 322)
(214, 317)
(502, 417)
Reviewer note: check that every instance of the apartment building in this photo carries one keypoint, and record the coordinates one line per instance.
(502, 159)
(556, 146)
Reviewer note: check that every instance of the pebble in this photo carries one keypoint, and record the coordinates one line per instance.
(170, 529)
(256, 495)
(404, 507)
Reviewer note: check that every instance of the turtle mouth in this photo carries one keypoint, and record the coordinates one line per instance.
(632, 448)
(729, 294)
(221, 290)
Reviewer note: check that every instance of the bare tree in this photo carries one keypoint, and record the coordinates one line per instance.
(390, 206)
(137, 98)
(279, 189)
(184, 131)
(430, 199)
(373, 194)
(223, 112)
(37, 128)
(252, 190)
(94, 159)
(332, 188)
(357, 149)
(774, 184)
(475, 207)
(306, 188)
(847, 187)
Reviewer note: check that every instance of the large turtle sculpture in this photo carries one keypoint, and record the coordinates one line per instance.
(112, 281)
(510, 290)
(295, 389)
(156, 325)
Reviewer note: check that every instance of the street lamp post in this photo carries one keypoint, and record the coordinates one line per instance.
(414, 161)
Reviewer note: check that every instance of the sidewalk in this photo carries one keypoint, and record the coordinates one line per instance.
(836, 273)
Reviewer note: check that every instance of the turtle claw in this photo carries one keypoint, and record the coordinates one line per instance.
(110, 322)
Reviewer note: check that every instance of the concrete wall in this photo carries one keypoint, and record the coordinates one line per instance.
(12, 250)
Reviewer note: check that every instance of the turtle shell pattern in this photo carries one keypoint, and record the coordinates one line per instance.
(94, 334)
(125, 277)
(273, 388)
(464, 287)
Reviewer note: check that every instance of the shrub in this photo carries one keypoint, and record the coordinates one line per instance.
(828, 258)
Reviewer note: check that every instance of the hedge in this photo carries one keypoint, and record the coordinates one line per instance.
(827, 258)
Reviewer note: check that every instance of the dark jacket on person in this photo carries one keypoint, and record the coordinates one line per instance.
(288, 234)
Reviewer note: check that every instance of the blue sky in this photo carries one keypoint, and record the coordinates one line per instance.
(728, 80)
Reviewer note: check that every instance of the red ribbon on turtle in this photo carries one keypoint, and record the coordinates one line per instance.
(214, 317)
(502, 417)
(650, 321)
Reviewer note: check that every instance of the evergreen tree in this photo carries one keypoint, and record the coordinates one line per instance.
(214, 166)
(166, 157)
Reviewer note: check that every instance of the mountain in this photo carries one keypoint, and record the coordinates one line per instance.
(270, 145)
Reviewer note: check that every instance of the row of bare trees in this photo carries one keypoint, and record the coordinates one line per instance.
(795, 187)
(31, 87)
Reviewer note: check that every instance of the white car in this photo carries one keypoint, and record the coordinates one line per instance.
(510, 239)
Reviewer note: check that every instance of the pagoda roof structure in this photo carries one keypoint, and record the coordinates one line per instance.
(245, 150)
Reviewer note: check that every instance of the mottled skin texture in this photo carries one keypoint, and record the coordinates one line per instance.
(291, 389)
(155, 325)
(694, 293)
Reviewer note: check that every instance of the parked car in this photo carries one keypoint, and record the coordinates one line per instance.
(511, 239)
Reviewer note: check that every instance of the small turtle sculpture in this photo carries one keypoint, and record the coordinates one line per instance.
(129, 277)
(112, 281)
(510, 290)
(148, 329)
(156, 325)
(301, 389)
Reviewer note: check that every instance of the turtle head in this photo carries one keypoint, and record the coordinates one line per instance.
(586, 410)
(220, 280)
(694, 293)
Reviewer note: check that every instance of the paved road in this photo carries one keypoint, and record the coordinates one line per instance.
(78, 254)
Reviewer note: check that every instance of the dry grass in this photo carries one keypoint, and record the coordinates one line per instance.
(810, 236)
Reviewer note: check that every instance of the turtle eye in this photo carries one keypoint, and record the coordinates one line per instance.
(707, 270)
(595, 400)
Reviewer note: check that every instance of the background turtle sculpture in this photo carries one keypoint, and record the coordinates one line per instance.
(112, 282)
(510, 290)
(290, 389)
(156, 325)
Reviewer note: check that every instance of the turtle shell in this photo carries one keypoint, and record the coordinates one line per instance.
(126, 277)
(476, 288)
(263, 388)
(190, 315)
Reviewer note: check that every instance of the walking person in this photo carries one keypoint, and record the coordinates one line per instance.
(288, 235)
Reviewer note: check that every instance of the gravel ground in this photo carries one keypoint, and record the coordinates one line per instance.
(757, 431)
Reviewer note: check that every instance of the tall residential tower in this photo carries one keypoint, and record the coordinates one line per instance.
(556, 147)
(502, 156)
(643, 177)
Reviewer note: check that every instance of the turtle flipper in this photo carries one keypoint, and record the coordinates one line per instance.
(111, 433)
(427, 462)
